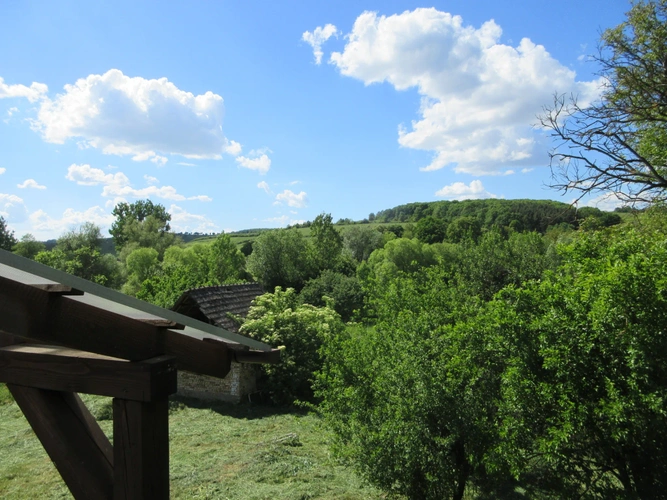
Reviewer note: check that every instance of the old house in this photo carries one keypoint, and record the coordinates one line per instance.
(222, 306)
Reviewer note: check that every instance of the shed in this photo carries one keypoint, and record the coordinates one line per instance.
(222, 306)
(61, 335)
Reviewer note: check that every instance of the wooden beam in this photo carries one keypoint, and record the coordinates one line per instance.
(26, 311)
(162, 323)
(64, 369)
(58, 289)
(141, 450)
(71, 437)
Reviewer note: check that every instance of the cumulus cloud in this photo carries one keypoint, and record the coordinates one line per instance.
(2, 170)
(317, 38)
(606, 201)
(41, 221)
(125, 115)
(12, 207)
(265, 186)
(480, 97)
(118, 185)
(151, 180)
(182, 221)
(33, 93)
(292, 199)
(233, 148)
(30, 183)
(262, 163)
(459, 191)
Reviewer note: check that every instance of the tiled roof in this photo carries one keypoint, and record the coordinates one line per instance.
(215, 304)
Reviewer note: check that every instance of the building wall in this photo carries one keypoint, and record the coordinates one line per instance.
(239, 383)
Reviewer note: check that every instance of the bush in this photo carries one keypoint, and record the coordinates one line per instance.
(279, 319)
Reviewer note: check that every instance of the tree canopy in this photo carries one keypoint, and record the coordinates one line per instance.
(133, 215)
(618, 143)
(7, 238)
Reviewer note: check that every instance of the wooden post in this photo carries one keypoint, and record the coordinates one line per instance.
(141, 450)
(71, 437)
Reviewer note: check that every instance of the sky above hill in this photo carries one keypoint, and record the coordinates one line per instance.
(249, 114)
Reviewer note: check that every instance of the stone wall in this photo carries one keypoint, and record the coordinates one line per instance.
(239, 383)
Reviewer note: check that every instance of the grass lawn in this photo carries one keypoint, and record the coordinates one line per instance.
(217, 451)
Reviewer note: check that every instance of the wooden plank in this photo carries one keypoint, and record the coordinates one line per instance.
(72, 439)
(58, 289)
(65, 369)
(141, 450)
(26, 311)
(162, 323)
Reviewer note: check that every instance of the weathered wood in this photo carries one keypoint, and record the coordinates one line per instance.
(64, 369)
(71, 437)
(29, 312)
(58, 289)
(162, 323)
(141, 450)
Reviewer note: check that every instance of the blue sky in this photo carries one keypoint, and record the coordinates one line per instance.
(238, 115)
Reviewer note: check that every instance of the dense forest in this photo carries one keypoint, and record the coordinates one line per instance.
(474, 349)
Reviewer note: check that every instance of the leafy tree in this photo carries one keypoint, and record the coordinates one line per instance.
(345, 291)
(299, 330)
(192, 267)
(7, 238)
(78, 252)
(141, 264)
(464, 228)
(147, 233)
(137, 213)
(28, 247)
(431, 230)
(327, 242)
(281, 258)
(361, 241)
(618, 143)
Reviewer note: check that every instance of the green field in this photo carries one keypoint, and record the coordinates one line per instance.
(217, 451)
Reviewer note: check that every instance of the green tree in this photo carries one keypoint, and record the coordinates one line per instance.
(77, 252)
(7, 238)
(28, 247)
(345, 291)
(299, 331)
(281, 258)
(618, 143)
(141, 264)
(327, 242)
(462, 228)
(431, 230)
(136, 213)
(360, 241)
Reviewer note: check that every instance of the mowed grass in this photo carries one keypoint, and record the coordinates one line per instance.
(217, 451)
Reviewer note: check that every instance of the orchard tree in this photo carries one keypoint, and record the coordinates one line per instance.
(618, 143)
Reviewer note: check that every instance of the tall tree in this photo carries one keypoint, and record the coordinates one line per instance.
(7, 238)
(619, 143)
(137, 212)
(327, 242)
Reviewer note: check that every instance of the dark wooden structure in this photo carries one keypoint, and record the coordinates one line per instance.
(60, 335)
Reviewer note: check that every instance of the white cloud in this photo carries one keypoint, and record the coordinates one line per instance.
(262, 164)
(152, 156)
(118, 185)
(186, 164)
(526, 170)
(459, 191)
(233, 148)
(40, 221)
(480, 97)
(151, 180)
(10, 113)
(182, 221)
(30, 183)
(317, 38)
(607, 202)
(134, 116)
(265, 186)
(85, 175)
(2, 170)
(292, 199)
(12, 207)
(33, 93)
